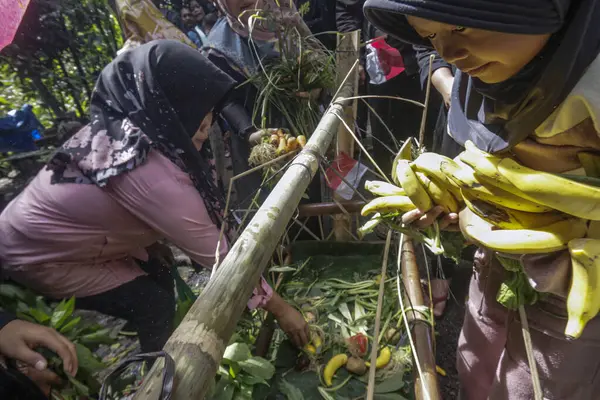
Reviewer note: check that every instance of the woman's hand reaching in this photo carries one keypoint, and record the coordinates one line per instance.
(290, 320)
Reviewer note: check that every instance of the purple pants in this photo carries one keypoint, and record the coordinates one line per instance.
(492, 362)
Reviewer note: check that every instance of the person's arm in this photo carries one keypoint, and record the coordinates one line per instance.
(164, 197)
(441, 77)
(349, 16)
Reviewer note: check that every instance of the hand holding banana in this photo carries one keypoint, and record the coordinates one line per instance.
(515, 210)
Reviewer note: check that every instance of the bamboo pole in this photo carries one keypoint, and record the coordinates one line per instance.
(197, 345)
(426, 384)
(347, 52)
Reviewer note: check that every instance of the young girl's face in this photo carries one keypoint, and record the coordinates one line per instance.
(490, 56)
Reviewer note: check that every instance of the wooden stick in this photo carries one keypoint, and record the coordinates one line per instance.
(375, 346)
(424, 116)
(197, 345)
(347, 53)
(535, 377)
(426, 384)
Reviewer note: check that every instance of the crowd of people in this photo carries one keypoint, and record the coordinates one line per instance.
(520, 79)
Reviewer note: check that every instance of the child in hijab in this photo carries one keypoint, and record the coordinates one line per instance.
(131, 177)
(526, 87)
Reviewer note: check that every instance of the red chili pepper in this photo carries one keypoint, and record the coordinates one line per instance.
(359, 343)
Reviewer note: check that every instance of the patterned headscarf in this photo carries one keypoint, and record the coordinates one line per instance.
(152, 97)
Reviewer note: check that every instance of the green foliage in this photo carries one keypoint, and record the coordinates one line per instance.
(240, 372)
(86, 336)
(53, 66)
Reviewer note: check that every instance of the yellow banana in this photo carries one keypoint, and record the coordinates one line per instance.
(583, 300)
(429, 164)
(593, 230)
(412, 186)
(381, 188)
(560, 193)
(388, 204)
(438, 194)
(546, 239)
(465, 179)
(335, 363)
(484, 164)
(369, 226)
(405, 153)
(507, 218)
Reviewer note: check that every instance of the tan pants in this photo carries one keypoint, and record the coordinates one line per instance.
(492, 362)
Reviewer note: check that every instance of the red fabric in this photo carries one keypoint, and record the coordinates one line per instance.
(390, 59)
(343, 164)
(10, 19)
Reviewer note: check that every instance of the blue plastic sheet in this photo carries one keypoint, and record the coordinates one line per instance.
(19, 130)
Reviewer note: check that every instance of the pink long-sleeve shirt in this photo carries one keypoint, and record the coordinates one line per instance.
(74, 239)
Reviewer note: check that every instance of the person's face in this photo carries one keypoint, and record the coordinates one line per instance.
(489, 56)
(202, 132)
(197, 11)
(187, 18)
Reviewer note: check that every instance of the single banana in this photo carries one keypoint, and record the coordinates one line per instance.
(405, 153)
(547, 239)
(484, 164)
(369, 226)
(381, 188)
(438, 194)
(412, 186)
(560, 193)
(429, 164)
(464, 178)
(593, 230)
(507, 218)
(388, 204)
(583, 300)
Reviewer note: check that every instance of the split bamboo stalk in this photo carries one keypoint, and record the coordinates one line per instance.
(197, 345)
(421, 331)
(347, 52)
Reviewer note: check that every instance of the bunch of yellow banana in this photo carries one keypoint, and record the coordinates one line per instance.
(541, 211)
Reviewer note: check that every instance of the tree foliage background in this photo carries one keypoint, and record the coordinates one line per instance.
(56, 57)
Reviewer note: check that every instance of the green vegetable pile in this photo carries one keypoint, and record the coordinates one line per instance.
(86, 336)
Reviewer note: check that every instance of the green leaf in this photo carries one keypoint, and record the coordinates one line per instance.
(224, 390)
(40, 316)
(290, 391)
(12, 292)
(282, 269)
(80, 388)
(68, 327)
(252, 380)
(325, 395)
(237, 352)
(391, 384)
(389, 396)
(62, 312)
(259, 367)
(87, 360)
(99, 337)
(244, 393)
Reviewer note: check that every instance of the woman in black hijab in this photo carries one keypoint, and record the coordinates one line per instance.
(526, 86)
(88, 225)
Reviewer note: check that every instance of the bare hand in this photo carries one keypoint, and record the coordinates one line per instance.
(290, 321)
(256, 137)
(18, 338)
(45, 379)
(422, 220)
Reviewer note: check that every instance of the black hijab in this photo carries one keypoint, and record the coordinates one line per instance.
(154, 96)
(498, 116)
